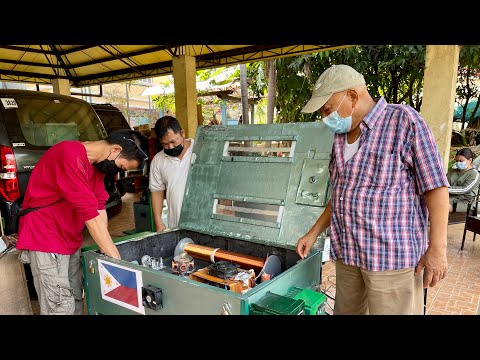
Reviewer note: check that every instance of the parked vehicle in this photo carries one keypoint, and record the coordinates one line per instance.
(31, 122)
(112, 118)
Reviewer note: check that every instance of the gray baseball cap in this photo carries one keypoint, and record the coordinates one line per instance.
(335, 79)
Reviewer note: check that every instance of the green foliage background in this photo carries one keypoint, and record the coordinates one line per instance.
(394, 72)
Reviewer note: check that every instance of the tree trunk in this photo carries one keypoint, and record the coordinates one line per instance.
(271, 93)
(244, 94)
(464, 112)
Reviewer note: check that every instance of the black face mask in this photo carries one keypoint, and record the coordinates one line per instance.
(108, 167)
(177, 150)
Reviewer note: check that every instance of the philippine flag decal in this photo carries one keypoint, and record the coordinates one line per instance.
(121, 285)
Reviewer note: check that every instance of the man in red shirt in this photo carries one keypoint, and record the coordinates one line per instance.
(65, 192)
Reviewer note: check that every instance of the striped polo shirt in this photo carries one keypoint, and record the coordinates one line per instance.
(379, 216)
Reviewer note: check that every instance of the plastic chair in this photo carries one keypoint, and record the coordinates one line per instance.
(472, 220)
(460, 217)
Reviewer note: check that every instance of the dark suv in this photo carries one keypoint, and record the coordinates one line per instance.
(31, 122)
(113, 119)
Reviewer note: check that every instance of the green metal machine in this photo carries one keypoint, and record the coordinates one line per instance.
(252, 192)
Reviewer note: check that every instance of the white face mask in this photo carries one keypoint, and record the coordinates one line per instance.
(461, 165)
(336, 123)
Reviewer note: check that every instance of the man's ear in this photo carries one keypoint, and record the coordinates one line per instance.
(117, 148)
(353, 95)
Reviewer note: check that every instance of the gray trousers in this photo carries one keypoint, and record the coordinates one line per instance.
(462, 204)
(58, 280)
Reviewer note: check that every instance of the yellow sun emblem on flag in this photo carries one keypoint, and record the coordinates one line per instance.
(107, 280)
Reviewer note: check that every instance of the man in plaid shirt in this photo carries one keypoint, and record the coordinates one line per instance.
(388, 182)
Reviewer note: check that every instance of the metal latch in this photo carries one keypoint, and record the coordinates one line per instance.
(311, 194)
(226, 310)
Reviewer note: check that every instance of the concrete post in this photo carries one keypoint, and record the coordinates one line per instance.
(439, 87)
(61, 86)
(185, 84)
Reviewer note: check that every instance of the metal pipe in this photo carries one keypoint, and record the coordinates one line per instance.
(1, 223)
(206, 253)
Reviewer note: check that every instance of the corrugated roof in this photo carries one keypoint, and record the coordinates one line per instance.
(85, 65)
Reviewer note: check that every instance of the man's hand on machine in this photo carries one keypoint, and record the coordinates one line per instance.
(160, 227)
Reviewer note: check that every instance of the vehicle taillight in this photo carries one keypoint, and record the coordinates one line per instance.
(9, 188)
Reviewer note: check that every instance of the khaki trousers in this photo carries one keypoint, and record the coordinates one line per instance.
(363, 292)
(58, 281)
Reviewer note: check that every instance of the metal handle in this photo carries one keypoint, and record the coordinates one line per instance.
(226, 309)
(313, 194)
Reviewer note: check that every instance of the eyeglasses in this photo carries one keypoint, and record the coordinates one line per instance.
(139, 149)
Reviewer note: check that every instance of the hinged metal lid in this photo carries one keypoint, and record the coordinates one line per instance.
(262, 183)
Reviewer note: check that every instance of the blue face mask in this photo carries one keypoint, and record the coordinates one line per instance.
(336, 123)
(461, 165)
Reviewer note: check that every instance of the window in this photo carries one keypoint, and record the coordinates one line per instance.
(47, 121)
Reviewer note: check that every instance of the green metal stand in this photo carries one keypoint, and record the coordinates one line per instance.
(151, 221)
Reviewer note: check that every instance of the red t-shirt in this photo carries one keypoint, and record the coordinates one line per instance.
(71, 189)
